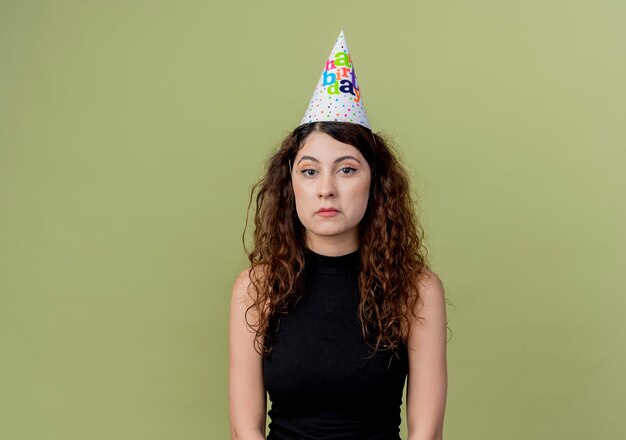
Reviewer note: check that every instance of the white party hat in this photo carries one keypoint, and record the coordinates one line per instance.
(337, 96)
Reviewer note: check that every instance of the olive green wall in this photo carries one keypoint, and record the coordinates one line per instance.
(131, 132)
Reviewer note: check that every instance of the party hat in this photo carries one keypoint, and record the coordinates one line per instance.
(337, 96)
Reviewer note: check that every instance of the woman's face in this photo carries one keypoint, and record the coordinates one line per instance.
(331, 182)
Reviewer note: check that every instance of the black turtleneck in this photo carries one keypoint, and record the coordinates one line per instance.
(321, 378)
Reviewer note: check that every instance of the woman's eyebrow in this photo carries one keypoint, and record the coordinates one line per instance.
(339, 159)
(308, 158)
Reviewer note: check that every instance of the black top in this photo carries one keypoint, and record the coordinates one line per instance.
(320, 377)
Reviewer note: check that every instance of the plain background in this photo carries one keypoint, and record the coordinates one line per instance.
(132, 131)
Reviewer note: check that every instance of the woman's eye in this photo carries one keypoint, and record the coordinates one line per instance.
(347, 170)
(308, 172)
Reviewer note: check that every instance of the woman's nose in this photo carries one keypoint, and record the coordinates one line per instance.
(327, 187)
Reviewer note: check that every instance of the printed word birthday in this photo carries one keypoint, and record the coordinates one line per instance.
(339, 76)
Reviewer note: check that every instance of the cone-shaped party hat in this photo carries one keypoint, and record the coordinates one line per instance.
(337, 96)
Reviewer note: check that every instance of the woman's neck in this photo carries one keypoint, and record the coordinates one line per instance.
(332, 246)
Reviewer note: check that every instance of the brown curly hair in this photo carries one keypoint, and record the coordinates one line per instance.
(390, 241)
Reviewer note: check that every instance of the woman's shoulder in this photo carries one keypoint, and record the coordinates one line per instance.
(244, 283)
(429, 288)
(429, 280)
(242, 280)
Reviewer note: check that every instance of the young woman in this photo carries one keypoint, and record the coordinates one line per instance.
(338, 307)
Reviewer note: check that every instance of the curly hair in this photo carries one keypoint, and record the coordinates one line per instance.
(391, 248)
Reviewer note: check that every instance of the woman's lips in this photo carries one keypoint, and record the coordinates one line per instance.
(327, 212)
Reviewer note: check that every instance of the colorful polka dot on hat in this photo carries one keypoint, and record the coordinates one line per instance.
(337, 96)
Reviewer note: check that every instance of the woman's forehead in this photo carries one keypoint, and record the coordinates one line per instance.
(323, 146)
